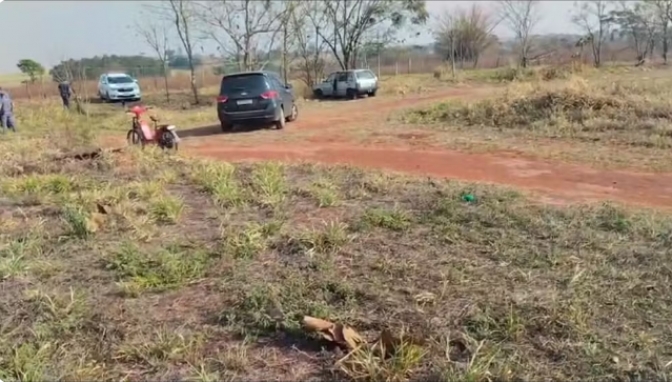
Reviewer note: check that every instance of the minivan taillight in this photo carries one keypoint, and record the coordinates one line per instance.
(222, 99)
(269, 94)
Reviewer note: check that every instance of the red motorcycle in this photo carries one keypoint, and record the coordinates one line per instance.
(141, 133)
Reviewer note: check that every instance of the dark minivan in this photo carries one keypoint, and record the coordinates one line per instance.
(255, 98)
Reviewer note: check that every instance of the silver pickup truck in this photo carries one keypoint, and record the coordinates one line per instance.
(349, 83)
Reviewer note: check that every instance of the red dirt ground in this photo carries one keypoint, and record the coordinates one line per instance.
(556, 182)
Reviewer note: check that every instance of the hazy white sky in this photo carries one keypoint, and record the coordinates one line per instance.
(49, 31)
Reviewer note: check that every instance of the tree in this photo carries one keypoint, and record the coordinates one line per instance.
(155, 35)
(182, 15)
(31, 68)
(348, 23)
(239, 27)
(594, 18)
(463, 35)
(521, 16)
(638, 23)
(663, 10)
(304, 23)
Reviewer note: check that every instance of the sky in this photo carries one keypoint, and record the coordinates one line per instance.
(50, 31)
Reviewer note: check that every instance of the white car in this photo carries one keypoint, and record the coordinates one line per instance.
(118, 87)
(350, 84)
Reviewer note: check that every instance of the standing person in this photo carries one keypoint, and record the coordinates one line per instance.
(7, 111)
(65, 92)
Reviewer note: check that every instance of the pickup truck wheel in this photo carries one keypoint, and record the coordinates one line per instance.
(351, 94)
(318, 94)
(280, 123)
(373, 93)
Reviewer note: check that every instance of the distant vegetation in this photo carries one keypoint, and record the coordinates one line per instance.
(137, 66)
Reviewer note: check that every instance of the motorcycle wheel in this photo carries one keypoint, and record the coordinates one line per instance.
(133, 137)
(168, 141)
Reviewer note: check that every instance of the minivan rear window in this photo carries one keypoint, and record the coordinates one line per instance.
(365, 75)
(249, 83)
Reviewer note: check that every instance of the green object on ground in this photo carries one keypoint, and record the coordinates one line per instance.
(469, 198)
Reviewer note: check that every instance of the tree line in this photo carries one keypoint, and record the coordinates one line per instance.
(463, 34)
(91, 68)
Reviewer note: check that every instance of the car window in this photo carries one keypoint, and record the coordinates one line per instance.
(365, 75)
(343, 76)
(249, 82)
(277, 83)
(331, 77)
(120, 80)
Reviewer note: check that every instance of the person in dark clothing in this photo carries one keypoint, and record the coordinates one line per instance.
(64, 91)
(6, 112)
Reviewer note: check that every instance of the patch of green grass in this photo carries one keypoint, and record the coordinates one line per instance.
(393, 219)
(326, 194)
(168, 268)
(218, 180)
(78, 222)
(268, 184)
(166, 209)
(245, 242)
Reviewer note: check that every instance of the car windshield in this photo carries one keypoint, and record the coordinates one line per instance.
(120, 80)
(250, 83)
(365, 75)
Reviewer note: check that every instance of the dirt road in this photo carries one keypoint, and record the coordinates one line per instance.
(556, 182)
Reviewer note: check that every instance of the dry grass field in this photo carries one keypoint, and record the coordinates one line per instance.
(145, 265)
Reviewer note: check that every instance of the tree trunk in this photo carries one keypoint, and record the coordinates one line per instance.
(665, 46)
(284, 53)
(345, 64)
(165, 82)
(192, 75)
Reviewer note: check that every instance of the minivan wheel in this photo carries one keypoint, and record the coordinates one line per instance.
(226, 127)
(280, 123)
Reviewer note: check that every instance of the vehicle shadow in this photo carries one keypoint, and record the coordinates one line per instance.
(208, 130)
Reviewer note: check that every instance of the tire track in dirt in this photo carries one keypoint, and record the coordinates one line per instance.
(558, 182)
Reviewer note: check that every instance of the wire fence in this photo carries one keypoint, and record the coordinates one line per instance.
(206, 76)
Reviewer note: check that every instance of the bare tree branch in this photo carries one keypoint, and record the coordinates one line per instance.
(239, 27)
(181, 14)
(593, 17)
(348, 23)
(155, 35)
(521, 16)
